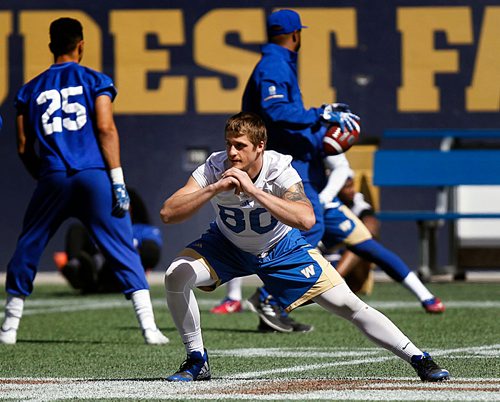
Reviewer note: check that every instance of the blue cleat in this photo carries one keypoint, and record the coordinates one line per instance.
(427, 369)
(194, 368)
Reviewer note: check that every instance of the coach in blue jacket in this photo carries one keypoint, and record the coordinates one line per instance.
(273, 93)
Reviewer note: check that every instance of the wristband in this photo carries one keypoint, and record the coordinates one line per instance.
(117, 175)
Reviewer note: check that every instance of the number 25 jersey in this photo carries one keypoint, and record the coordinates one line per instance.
(240, 218)
(60, 106)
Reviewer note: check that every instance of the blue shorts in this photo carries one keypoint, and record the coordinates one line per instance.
(342, 226)
(293, 271)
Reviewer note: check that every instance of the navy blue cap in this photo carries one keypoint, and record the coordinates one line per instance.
(283, 22)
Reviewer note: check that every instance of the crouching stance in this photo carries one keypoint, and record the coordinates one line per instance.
(260, 207)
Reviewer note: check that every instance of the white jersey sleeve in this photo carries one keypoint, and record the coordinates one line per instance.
(240, 218)
(211, 171)
(339, 172)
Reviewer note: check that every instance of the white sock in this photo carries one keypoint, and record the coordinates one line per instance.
(180, 278)
(415, 285)
(141, 300)
(234, 289)
(13, 312)
(376, 326)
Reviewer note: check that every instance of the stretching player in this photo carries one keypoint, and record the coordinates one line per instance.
(68, 110)
(273, 93)
(260, 203)
(343, 226)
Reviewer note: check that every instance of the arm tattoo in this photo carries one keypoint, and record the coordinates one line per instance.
(296, 193)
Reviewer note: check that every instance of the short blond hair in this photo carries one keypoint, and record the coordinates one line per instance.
(249, 124)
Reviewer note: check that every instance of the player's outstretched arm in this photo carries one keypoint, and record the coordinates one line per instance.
(186, 201)
(339, 172)
(26, 146)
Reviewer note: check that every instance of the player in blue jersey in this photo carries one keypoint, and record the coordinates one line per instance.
(260, 204)
(342, 226)
(67, 112)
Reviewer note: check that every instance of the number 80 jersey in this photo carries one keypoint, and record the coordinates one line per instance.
(60, 106)
(240, 218)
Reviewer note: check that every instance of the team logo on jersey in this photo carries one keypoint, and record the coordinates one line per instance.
(272, 93)
(308, 271)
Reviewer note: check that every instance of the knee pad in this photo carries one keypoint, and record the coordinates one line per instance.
(186, 272)
(341, 301)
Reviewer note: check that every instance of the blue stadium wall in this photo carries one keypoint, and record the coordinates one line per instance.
(180, 68)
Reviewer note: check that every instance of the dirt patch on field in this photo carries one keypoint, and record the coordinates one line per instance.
(294, 386)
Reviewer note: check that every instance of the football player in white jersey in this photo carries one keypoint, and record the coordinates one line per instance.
(260, 206)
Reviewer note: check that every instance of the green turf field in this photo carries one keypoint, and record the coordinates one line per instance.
(95, 341)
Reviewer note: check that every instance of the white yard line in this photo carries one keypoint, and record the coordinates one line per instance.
(400, 389)
(479, 351)
(251, 386)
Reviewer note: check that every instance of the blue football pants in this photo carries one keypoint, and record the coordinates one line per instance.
(86, 195)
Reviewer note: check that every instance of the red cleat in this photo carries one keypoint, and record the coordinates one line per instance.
(227, 306)
(433, 306)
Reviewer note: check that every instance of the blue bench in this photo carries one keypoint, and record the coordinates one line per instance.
(440, 169)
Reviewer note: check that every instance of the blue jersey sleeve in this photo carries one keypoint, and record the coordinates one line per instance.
(104, 86)
(22, 99)
(281, 104)
(143, 232)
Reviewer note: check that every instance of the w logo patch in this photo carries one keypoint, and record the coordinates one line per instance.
(308, 271)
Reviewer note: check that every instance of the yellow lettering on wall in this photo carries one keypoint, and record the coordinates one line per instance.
(315, 60)
(5, 32)
(212, 52)
(34, 27)
(484, 93)
(420, 60)
(133, 61)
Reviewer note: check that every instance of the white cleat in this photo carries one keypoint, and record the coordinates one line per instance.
(8, 337)
(154, 337)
